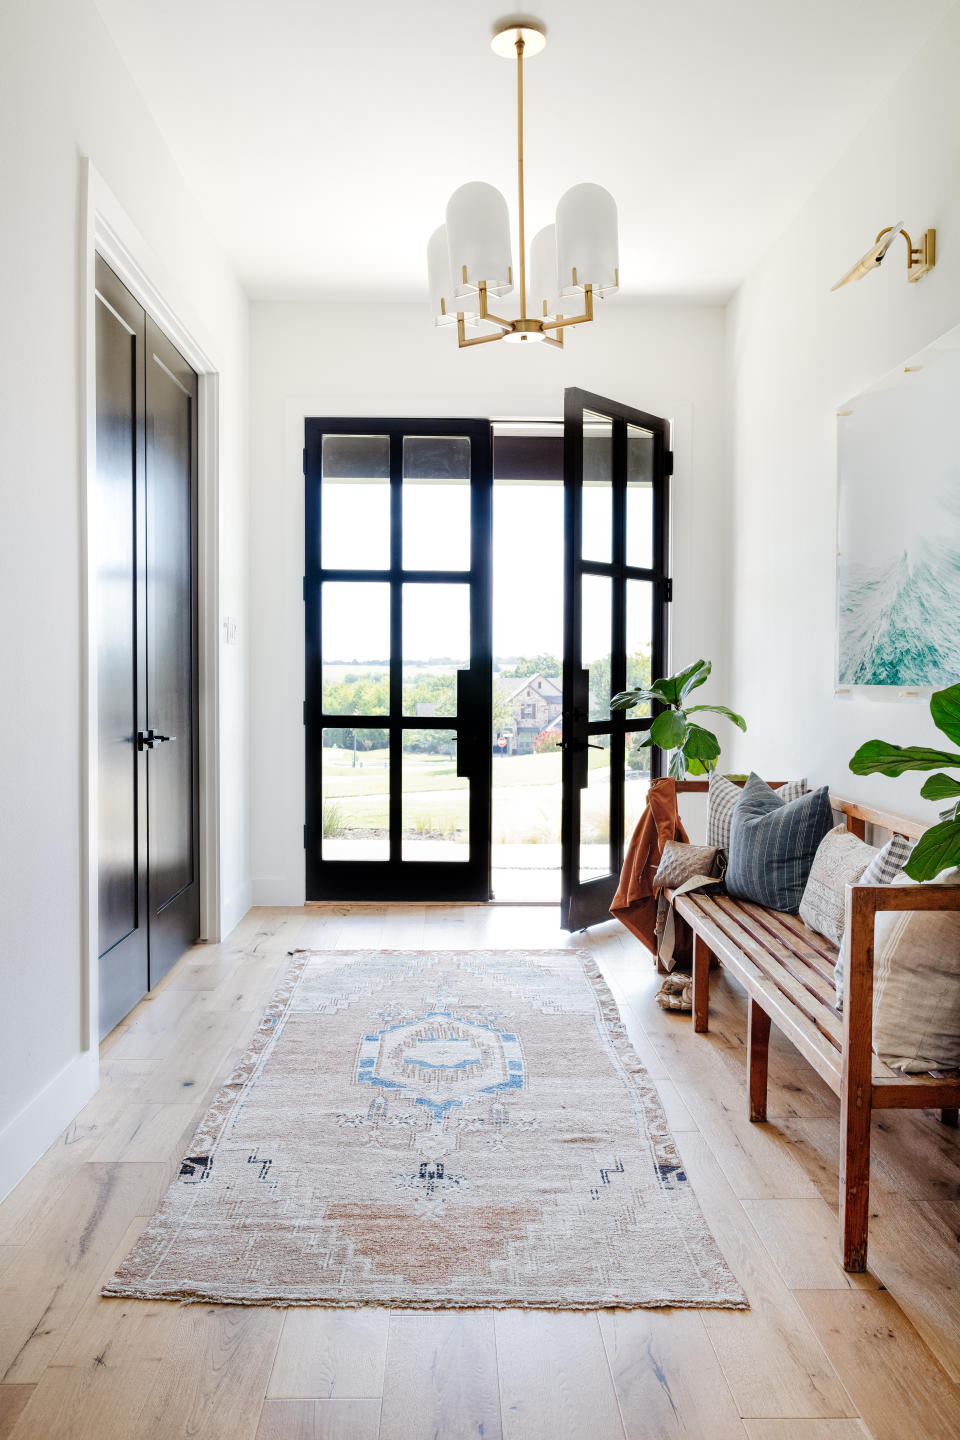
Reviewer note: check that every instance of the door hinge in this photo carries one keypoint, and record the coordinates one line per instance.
(304, 837)
(668, 590)
(304, 459)
(668, 462)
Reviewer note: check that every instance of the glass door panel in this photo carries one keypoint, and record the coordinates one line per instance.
(597, 449)
(616, 588)
(398, 671)
(355, 501)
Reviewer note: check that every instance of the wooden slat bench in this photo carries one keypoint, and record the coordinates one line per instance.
(788, 973)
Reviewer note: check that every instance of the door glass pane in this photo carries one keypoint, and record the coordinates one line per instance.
(639, 497)
(355, 502)
(355, 775)
(356, 647)
(595, 812)
(436, 502)
(596, 625)
(435, 803)
(639, 649)
(597, 487)
(436, 644)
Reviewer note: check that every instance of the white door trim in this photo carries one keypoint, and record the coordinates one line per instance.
(108, 231)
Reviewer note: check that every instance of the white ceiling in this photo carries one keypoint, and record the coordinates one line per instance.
(323, 140)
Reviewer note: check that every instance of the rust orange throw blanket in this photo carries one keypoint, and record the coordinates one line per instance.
(635, 904)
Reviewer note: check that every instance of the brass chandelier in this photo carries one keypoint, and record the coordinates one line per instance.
(469, 258)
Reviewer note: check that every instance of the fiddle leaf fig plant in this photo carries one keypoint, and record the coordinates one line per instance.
(694, 749)
(939, 847)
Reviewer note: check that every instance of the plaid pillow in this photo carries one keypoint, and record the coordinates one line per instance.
(883, 869)
(722, 801)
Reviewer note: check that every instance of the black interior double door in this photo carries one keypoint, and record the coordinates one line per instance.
(144, 544)
(397, 591)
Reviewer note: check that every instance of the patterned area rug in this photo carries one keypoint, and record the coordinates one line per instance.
(426, 1129)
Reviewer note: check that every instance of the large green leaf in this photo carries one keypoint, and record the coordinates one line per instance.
(668, 730)
(694, 675)
(877, 756)
(936, 850)
(719, 710)
(665, 690)
(626, 699)
(701, 744)
(678, 765)
(940, 787)
(945, 709)
(699, 767)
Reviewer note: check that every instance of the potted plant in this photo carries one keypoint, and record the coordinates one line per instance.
(695, 749)
(939, 847)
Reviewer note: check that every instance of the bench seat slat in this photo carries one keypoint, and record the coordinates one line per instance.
(778, 1003)
(786, 948)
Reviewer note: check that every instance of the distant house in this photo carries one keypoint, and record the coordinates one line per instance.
(535, 703)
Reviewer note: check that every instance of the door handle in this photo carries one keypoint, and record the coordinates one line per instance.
(578, 745)
(146, 739)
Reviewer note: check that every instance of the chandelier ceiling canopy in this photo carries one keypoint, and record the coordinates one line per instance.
(470, 260)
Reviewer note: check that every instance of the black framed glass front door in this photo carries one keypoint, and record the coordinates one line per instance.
(398, 707)
(616, 588)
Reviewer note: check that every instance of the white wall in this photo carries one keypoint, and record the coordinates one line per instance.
(366, 360)
(64, 94)
(796, 352)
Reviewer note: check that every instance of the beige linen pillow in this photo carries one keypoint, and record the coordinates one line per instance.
(840, 860)
(680, 862)
(916, 986)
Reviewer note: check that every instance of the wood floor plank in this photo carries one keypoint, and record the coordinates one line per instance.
(554, 1377)
(146, 1131)
(46, 1285)
(441, 1377)
(13, 1399)
(667, 1377)
(894, 1380)
(914, 1252)
(319, 1420)
(801, 1239)
(330, 1354)
(806, 1430)
(214, 1375)
(770, 1357)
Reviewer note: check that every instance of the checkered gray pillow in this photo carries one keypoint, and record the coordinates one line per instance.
(722, 801)
(884, 869)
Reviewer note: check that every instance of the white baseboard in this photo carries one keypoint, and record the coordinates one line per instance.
(33, 1131)
(277, 890)
(234, 907)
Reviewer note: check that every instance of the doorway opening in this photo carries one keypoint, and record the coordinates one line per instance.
(476, 593)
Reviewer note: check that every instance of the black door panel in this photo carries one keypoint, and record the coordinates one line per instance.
(616, 469)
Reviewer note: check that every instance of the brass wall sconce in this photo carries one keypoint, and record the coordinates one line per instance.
(920, 258)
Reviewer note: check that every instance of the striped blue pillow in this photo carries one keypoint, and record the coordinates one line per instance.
(772, 844)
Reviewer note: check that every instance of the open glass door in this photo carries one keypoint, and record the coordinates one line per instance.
(398, 708)
(616, 475)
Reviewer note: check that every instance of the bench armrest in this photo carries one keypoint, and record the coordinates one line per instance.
(862, 905)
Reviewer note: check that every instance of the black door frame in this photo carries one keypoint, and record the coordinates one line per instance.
(588, 902)
(395, 879)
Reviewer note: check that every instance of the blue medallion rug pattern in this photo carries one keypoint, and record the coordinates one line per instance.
(428, 1129)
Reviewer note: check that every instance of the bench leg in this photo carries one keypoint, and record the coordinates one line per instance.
(949, 1117)
(758, 1039)
(701, 986)
(855, 1111)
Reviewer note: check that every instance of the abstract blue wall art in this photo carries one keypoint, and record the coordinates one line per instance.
(898, 550)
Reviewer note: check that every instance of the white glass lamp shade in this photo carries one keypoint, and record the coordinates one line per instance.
(443, 304)
(478, 235)
(587, 244)
(542, 287)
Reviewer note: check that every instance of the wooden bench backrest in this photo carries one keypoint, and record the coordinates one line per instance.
(858, 816)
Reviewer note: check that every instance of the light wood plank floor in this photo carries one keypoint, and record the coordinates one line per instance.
(821, 1355)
